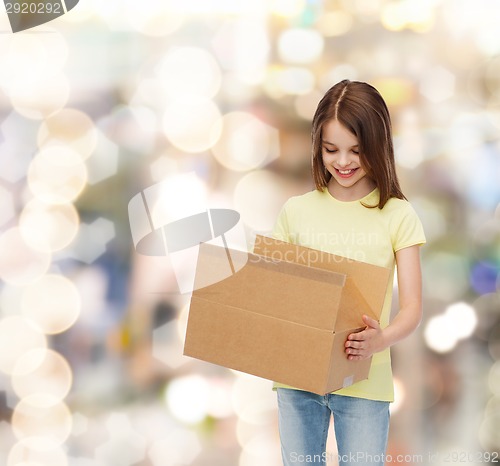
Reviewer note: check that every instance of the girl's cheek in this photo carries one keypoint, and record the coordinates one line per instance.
(327, 159)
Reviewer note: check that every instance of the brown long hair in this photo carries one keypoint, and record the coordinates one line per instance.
(362, 110)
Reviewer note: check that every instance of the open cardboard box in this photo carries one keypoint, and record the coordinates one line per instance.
(285, 313)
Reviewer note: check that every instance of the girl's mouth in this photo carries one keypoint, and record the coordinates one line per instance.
(346, 173)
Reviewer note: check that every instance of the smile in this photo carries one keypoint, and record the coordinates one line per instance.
(346, 173)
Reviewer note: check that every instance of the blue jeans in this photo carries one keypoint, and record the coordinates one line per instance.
(361, 428)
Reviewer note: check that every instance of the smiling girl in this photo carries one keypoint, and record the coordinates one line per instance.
(357, 198)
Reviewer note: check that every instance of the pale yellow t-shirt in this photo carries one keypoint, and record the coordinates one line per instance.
(318, 220)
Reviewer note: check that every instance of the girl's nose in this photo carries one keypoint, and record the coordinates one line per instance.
(343, 160)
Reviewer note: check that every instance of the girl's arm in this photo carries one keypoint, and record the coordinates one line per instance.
(373, 339)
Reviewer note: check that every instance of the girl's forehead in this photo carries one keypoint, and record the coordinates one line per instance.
(335, 132)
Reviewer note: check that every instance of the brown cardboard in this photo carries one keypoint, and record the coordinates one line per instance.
(285, 314)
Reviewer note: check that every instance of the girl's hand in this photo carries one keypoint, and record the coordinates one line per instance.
(362, 345)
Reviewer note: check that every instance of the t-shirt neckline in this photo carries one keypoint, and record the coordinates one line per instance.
(363, 199)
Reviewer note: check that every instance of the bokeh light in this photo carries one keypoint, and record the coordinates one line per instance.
(42, 371)
(181, 446)
(219, 400)
(260, 449)
(41, 415)
(305, 104)
(444, 331)
(438, 84)
(28, 58)
(103, 163)
(243, 46)
(192, 124)
(246, 142)
(20, 264)
(409, 14)
(289, 80)
(494, 378)
(438, 334)
(395, 91)
(57, 175)
(187, 398)
(399, 396)
(42, 98)
(37, 451)
(253, 399)
(337, 73)
(133, 127)
(16, 153)
(485, 192)
(189, 71)
(218, 7)
(21, 54)
(286, 8)
(53, 303)
(335, 23)
(6, 206)
(463, 319)
(92, 240)
(215, 400)
(491, 78)
(153, 18)
(48, 227)
(259, 188)
(300, 46)
(484, 277)
(187, 189)
(488, 435)
(18, 336)
(408, 144)
(10, 299)
(163, 167)
(125, 445)
(69, 128)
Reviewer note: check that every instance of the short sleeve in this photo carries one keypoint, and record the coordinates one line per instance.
(281, 228)
(408, 230)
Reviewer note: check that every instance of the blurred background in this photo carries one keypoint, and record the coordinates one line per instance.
(213, 99)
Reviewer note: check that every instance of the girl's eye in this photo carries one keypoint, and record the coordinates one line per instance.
(355, 152)
(330, 151)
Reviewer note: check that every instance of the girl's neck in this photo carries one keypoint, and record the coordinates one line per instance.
(352, 193)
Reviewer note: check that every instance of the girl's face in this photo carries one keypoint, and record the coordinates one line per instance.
(340, 151)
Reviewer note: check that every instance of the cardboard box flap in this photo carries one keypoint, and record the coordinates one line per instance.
(352, 307)
(370, 280)
(284, 290)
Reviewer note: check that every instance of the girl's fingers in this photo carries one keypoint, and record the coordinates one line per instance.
(354, 344)
(359, 336)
